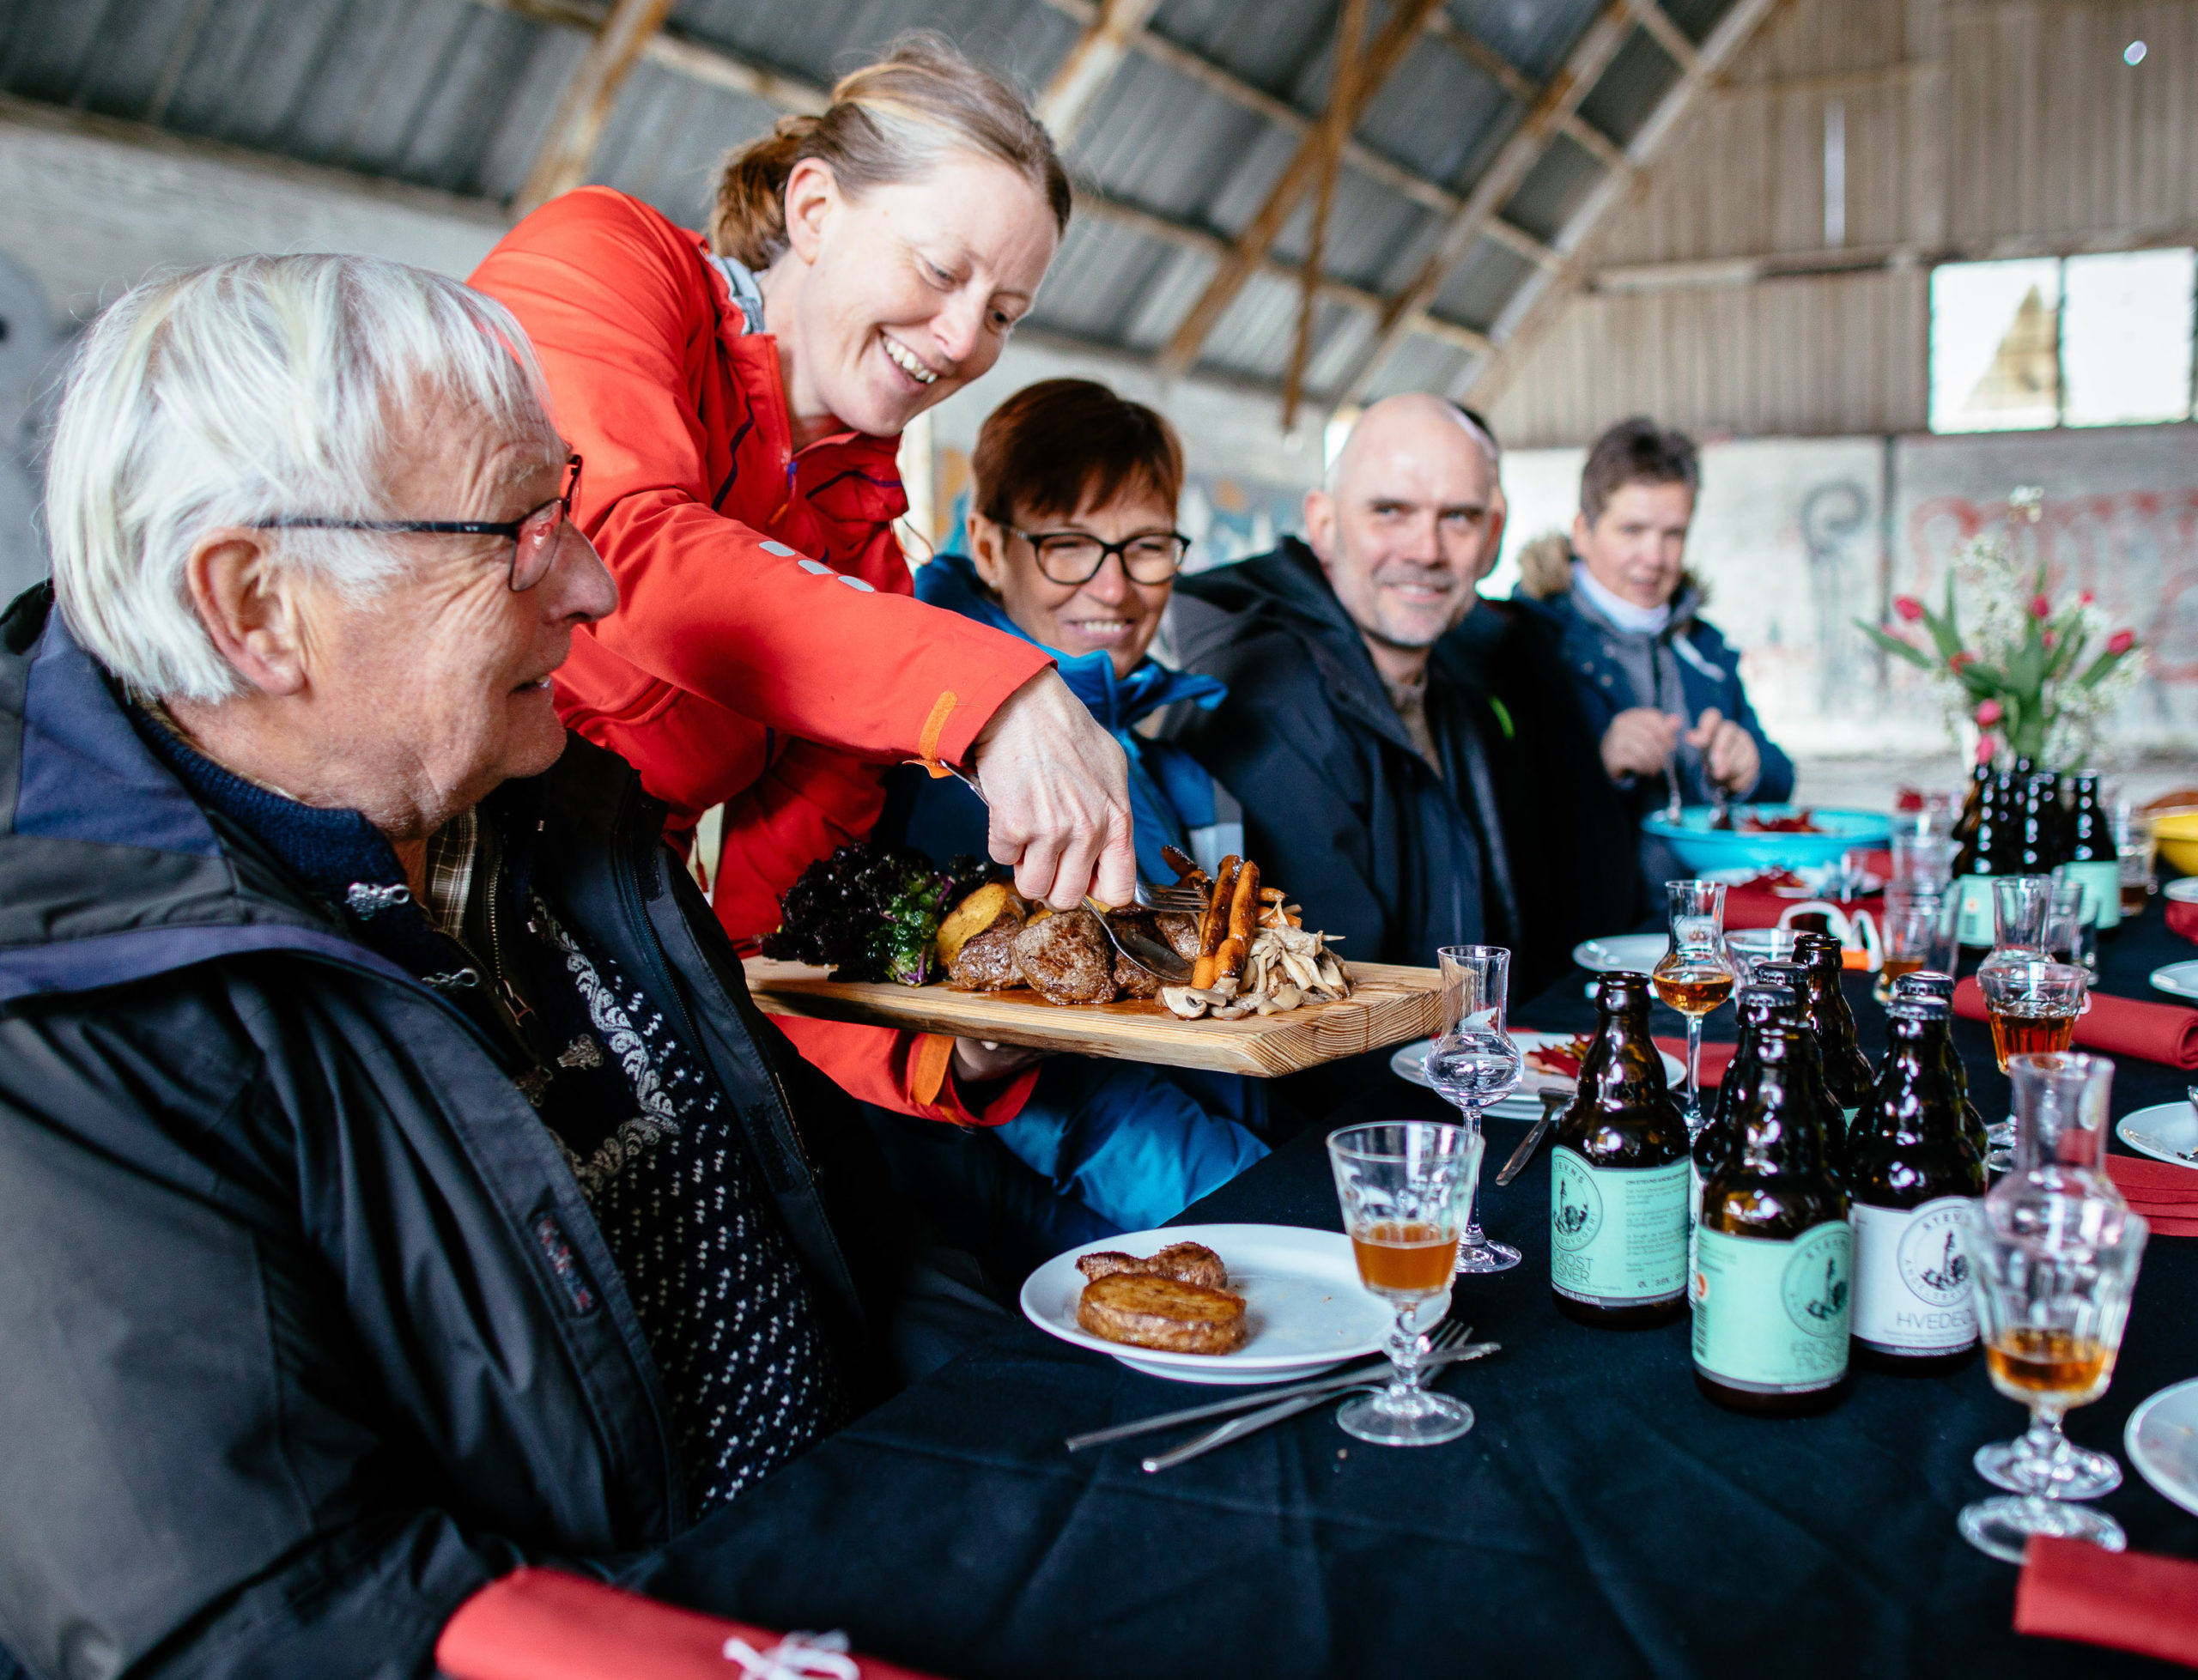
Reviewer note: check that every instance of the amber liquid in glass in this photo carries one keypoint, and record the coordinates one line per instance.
(2019, 1034)
(2029, 1364)
(1894, 967)
(1693, 990)
(1404, 1258)
(2133, 895)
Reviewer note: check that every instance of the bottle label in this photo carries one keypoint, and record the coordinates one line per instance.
(1847, 1119)
(2102, 885)
(1771, 1316)
(1693, 1210)
(1617, 1235)
(1911, 1279)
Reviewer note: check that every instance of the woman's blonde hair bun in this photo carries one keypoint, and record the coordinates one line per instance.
(888, 122)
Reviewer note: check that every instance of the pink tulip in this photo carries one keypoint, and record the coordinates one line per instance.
(2121, 642)
(1907, 607)
(2051, 638)
(1984, 749)
(2087, 599)
(2040, 608)
(1988, 712)
(1961, 662)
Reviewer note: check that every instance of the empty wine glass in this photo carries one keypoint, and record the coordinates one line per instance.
(2051, 1305)
(1405, 1186)
(1474, 1063)
(1695, 975)
(2021, 906)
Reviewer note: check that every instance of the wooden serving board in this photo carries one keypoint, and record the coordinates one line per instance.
(1387, 1005)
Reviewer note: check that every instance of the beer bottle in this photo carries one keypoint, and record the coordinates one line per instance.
(1847, 1075)
(1619, 1173)
(1984, 853)
(1929, 983)
(1910, 1174)
(2038, 830)
(2092, 857)
(1774, 1254)
(1759, 1003)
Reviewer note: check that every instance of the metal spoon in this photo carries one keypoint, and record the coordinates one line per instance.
(1159, 960)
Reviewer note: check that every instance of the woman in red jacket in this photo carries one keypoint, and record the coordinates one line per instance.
(737, 397)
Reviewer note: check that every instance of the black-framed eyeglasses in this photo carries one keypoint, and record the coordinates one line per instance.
(1075, 556)
(533, 535)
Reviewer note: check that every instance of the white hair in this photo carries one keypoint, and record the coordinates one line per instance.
(241, 393)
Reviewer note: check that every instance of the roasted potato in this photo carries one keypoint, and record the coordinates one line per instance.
(975, 914)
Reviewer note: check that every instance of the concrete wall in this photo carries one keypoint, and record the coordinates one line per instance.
(1797, 537)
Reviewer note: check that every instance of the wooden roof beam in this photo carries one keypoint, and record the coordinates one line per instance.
(1538, 302)
(1382, 56)
(1590, 56)
(561, 164)
(1075, 87)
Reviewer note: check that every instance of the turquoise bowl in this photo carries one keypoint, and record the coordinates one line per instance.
(1703, 849)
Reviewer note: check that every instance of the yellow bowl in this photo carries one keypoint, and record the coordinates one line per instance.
(2177, 833)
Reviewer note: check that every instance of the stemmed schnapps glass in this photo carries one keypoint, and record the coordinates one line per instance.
(1474, 1063)
(1695, 975)
(1406, 1187)
(2051, 1305)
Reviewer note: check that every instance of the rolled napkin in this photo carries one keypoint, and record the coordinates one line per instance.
(542, 1624)
(2131, 1601)
(2166, 1194)
(2164, 1033)
(1716, 1058)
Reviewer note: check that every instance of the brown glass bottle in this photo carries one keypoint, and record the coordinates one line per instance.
(1966, 849)
(1618, 1175)
(1759, 1003)
(1775, 1260)
(1929, 983)
(1910, 1174)
(1847, 1075)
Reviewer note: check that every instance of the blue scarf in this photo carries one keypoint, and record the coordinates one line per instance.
(1170, 793)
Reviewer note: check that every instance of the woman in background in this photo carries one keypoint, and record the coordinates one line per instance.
(1072, 548)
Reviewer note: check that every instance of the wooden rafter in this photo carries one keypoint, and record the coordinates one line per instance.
(1091, 64)
(575, 132)
(1539, 301)
(1335, 123)
(1386, 53)
(1581, 69)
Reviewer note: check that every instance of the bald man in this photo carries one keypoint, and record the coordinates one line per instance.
(1414, 767)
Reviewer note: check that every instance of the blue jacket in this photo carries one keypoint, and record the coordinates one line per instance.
(1173, 801)
(1708, 670)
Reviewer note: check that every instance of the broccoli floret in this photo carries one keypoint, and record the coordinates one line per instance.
(871, 912)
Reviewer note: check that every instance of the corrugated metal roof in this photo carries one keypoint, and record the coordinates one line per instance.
(457, 95)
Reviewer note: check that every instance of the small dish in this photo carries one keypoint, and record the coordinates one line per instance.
(2166, 1131)
(2179, 978)
(2162, 1441)
(1639, 952)
(1308, 1311)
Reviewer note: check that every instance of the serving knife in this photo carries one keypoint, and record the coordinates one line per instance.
(1552, 1101)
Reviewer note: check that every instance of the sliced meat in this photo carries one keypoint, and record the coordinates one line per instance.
(1163, 1313)
(1067, 959)
(1181, 933)
(986, 962)
(1190, 1263)
(1106, 1263)
(1133, 981)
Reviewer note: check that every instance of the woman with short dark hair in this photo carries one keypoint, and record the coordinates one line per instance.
(1072, 546)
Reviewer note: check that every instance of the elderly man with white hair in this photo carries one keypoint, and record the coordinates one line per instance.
(1412, 762)
(396, 1180)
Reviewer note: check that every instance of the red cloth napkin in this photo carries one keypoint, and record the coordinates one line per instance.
(2166, 1194)
(2183, 917)
(542, 1624)
(2119, 1025)
(1758, 907)
(1715, 1058)
(2132, 1601)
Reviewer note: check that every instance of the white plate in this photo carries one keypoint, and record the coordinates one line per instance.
(1639, 952)
(2160, 1131)
(2162, 1441)
(1409, 1062)
(1307, 1308)
(2178, 978)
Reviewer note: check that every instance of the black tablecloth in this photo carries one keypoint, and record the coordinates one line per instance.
(1601, 1519)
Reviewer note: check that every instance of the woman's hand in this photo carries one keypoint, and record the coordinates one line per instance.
(1059, 789)
(1730, 751)
(980, 1061)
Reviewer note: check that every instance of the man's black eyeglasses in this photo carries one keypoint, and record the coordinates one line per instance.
(1075, 556)
(533, 535)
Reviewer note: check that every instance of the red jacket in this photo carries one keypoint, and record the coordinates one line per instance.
(767, 653)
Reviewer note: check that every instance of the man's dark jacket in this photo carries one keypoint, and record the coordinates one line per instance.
(306, 1332)
(1520, 842)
